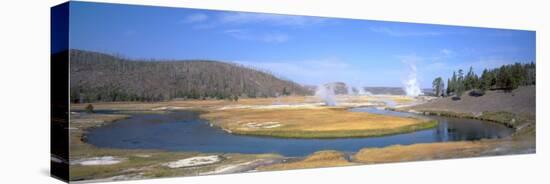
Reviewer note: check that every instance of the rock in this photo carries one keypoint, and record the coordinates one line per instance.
(263, 125)
(194, 161)
(168, 108)
(105, 160)
(143, 155)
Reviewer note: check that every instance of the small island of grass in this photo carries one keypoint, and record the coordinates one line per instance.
(321, 122)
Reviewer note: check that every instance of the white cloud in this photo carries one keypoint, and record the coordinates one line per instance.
(237, 33)
(273, 19)
(274, 38)
(244, 34)
(404, 33)
(235, 20)
(447, 52)
(313, 71)
(203, 21)
(195, 18)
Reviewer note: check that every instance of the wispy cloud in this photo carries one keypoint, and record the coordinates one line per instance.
(234, 22)
(311, 71)
(275, 38)
(245, 34)
(272, 19)
(195, 18)
(203, 21)
(446, 52)
(404, 33)
(237, 33)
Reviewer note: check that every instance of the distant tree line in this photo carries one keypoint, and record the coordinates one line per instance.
(100, 77)
(506, 77)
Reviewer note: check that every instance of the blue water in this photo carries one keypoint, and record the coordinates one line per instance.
(184, 131)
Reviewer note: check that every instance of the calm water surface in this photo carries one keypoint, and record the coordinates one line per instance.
(185, 131)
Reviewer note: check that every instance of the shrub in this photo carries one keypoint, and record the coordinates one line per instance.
(477, 92)
(90, 108)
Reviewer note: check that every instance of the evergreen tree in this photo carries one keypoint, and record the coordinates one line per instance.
(437, 86)
(459, 86)
(448, 87)
(506, 77)
(453, 83)
(469, 80)
(486, 80)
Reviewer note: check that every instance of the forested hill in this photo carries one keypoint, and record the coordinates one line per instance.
(101, 77)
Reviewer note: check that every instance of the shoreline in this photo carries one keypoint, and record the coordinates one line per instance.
(141, 160)
(137, 167)
(522, 125)
(483, 116)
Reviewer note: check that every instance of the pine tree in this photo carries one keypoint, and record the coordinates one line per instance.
(459, 84)
(469, 80)
(437, 86)
(486, 80)
(448, 87)
(506, 77)
(453, 83)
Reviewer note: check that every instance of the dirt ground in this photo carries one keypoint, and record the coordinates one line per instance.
(519, 101)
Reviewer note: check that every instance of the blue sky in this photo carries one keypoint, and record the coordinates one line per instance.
(308, 50)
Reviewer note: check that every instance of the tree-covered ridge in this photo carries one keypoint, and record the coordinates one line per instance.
(506, 77)
(100, 77)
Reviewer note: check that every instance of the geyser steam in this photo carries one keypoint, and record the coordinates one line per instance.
(411, 86)
(364, 92)
(326, 93)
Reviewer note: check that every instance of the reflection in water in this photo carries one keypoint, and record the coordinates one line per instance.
(442, 131)
(184, 131)
(452, 129)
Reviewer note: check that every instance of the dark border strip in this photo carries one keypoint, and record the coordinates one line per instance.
(59, 91)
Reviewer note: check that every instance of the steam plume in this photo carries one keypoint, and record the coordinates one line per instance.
(411, 86)
(326, 93)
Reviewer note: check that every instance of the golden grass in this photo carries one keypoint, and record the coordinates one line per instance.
(403, 153)
(313, 123)
(206, 104)
(401, 99)
(427, 151)
(193, 103)
(318, 159)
